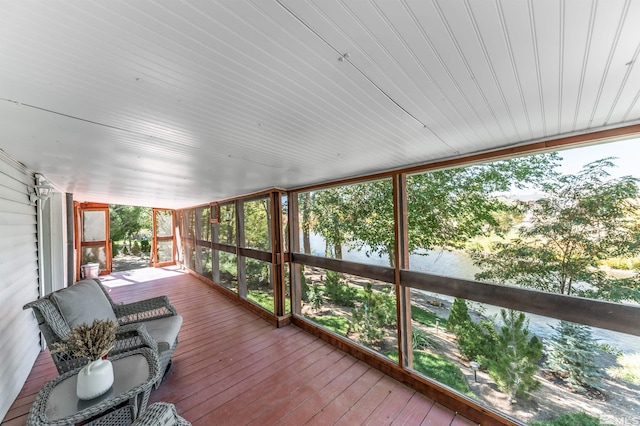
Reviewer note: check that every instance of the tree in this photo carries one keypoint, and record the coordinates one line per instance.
(329, 217)
(305, 200)
(582, 219)
(125, 222)
(459, 314)
(476, 341)
(446, 207)
(516, 357)
(571, 355)
(370, 317)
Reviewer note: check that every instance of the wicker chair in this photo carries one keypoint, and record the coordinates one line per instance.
(152, 323)
(161, 414)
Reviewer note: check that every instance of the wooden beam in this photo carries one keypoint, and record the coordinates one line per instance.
(596, 313)
(380, 273)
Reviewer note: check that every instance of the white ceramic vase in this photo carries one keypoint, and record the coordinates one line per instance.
(94, 379)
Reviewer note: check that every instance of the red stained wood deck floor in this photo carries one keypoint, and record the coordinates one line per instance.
(233, 368)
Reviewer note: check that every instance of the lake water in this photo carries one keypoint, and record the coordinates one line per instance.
(458, 264)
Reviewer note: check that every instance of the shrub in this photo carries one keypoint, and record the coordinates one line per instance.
(420, 339)
(115, 248)
(338, 291)
(516, 357)
(372, 315)
(477, 341)
(135, 248)
(145, 246)
(316, 297)
(304, 287)
(571, 355)
(458, 315)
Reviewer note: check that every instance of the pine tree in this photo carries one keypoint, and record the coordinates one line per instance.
(458, 315)
(571, 355)
(517, 356)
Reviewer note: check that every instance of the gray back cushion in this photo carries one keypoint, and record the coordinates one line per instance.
(82, 303)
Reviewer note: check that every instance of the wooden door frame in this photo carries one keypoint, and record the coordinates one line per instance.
(155, 239)
(79, 208)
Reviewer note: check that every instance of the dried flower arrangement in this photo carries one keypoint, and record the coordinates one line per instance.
(91, 341)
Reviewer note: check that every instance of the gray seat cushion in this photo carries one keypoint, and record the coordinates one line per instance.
(82, 303)
(164, 331)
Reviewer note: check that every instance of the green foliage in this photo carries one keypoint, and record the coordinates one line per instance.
(330, 216)
(573, 419)
(370, 317)
(315, 295)
(516, 357)
(610, 349)
(420, 339)
(459, 314)
(145, 246)
(335, 323)
(628, 369)
(571, 355)
(477, 341)
(446, 207)
(425, 317)
(265, 300)
(582, 220)
(125, 222)
(256, 224)
(135, 249)
(258, 274)
(304, 287)
(438, 368)
(338, 291)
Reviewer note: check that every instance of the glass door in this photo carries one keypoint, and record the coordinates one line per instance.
(95, 248)
(163, 249)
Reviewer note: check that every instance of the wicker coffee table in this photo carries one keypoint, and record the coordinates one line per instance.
(134, 372)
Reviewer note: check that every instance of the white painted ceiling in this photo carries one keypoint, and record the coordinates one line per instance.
(177, 103)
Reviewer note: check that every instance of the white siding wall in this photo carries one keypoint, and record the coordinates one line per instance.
(19, 336)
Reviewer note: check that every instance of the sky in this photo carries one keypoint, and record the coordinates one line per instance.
(627, 161)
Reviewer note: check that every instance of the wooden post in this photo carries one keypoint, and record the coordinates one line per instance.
(277, 253)
(294, 247)
(401, 261)
(241, 261)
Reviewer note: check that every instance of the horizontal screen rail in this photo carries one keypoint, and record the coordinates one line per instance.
(596, 313)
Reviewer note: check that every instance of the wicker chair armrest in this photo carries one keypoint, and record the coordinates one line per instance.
(132, 336)
(144, 310)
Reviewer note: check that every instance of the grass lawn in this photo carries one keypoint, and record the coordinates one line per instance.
(440, 369)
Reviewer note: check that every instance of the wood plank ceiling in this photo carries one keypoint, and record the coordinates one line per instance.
(173, 104)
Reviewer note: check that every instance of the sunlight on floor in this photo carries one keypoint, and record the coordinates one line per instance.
(136, 276)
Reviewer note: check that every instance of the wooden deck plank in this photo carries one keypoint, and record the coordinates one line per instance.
(438, 416)
(343, 403)
(360, 412)
(233, 368)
